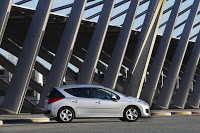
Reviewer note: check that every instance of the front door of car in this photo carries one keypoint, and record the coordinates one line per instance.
(105, 106)
(83, 102)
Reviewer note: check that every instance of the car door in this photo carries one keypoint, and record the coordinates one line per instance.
(83, 102)
(104, 105)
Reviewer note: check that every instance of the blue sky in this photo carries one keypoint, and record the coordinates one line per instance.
(118, 21)
(121, 8)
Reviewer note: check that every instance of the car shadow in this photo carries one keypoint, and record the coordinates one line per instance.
(141, 120)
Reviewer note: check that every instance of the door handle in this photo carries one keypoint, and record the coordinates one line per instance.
(75, 101)
(99, 102)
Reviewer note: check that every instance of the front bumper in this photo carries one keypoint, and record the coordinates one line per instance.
(145, 111)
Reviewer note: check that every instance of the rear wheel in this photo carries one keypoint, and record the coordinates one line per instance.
(65, 115)
(131, 114)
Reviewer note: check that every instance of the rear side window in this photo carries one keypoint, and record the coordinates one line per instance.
(80, 92)
(55, 93)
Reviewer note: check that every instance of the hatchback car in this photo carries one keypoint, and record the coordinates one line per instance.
(92, 101)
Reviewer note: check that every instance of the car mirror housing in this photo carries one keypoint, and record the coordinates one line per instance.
(114, 98)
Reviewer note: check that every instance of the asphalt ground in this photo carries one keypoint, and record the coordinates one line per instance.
(165, 121)
(5, 118)
(154, 124)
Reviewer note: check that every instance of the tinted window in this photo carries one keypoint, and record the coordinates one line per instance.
(104, 94)
(69, 91)
(80, 92)
(55, 93)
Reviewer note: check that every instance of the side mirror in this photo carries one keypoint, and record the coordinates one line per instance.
(114, 98)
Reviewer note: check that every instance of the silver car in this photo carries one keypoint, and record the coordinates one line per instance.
(92, 101)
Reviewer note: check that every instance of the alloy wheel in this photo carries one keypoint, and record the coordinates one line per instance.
(132, 114)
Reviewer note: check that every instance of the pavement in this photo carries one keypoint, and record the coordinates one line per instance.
(33, 118)
(23, 118)
(155, 124)
(170, 112)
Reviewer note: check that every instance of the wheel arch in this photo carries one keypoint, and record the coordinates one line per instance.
(133, 106)
(67, 107)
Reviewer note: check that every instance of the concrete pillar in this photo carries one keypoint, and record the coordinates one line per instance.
(8, 65)
(166, 92)
(182, 93)
(4, 86)
(22, 73)
(111, 74)
(88, 67)
(64, 51)
(38, 79)
(141, 58)
(149, 89)
(5, 8)
(194, 99)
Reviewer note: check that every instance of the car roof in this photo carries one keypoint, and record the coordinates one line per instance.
(86, 85)
(79, 85)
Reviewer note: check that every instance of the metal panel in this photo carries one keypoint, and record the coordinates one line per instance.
(64, 51)
(141, 58)
(166, 92)
(96, 44)
(26, 62)
(149, 89)
(111, 74)
(188, 75)
(194, 99)
(5, 8)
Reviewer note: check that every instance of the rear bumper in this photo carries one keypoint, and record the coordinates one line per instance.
(47, 113)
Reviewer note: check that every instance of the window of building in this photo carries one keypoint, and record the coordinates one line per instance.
(2, 72)
(2, 93)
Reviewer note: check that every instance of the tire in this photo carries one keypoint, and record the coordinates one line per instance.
(65, 115)
(131, 114)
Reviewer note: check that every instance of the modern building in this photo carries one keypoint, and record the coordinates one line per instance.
(31, 94)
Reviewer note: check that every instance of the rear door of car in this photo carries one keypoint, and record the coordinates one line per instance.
(83, 101)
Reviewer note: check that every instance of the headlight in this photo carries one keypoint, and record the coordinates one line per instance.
(142, 102)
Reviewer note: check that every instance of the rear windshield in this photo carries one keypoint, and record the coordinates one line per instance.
(55, 93)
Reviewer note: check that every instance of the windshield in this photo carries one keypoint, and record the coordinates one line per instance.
(118, 93)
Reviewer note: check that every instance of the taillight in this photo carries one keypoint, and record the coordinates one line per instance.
(54, 99)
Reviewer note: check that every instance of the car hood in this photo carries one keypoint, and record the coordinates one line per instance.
(136, 100)
(131, 98)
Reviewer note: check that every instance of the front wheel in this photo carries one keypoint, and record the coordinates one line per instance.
(65, 115)
(131, 114)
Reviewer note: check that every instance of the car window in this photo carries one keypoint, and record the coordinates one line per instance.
(80, 92)
(54, 93)
(104, 94)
